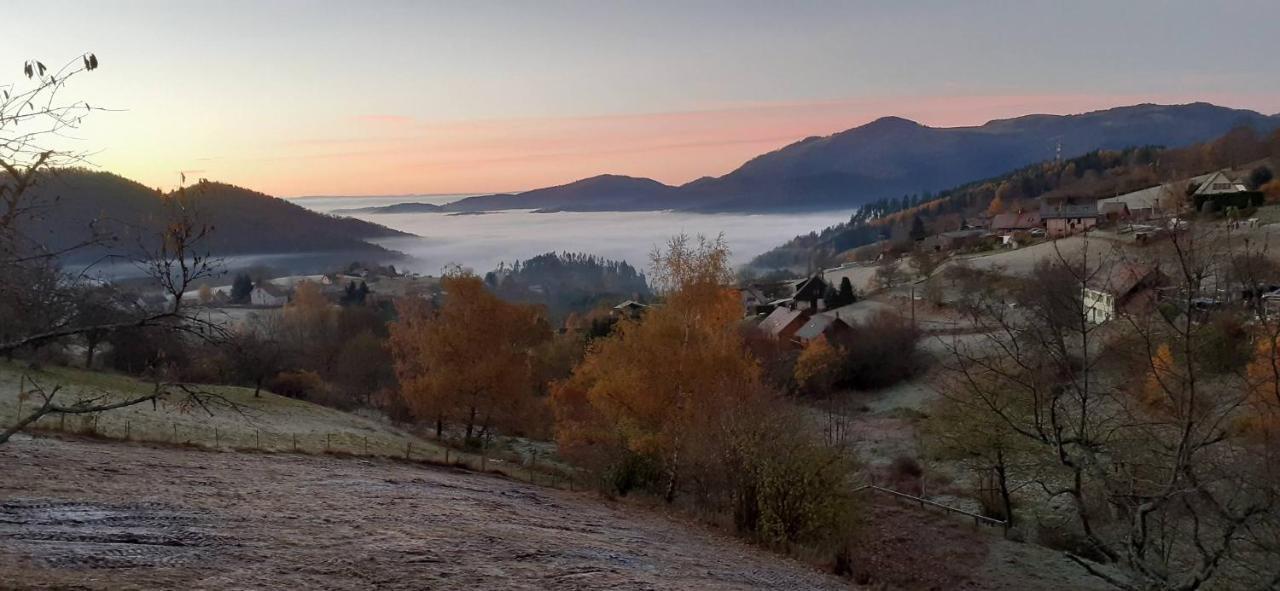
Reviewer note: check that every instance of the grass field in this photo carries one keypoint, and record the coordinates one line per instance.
(268, 422)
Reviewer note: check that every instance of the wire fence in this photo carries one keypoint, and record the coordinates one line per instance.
(532, 467)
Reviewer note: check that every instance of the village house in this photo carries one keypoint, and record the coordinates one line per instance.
(1223, 192)
(952, 240)
(821, 326)
(1121, 287)
(783, 323)
(629, 309)
(1020, 221)
(267, 295)
(1064, 216)
(810, 292)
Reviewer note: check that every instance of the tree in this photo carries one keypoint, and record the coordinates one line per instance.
(924, 262)
(467, 362)
(996, 206)
(38, 295)
(818, 367)
(672, 402)
(1260, 176)
(241, 288)
(255, 350)
(847, 295)
(888, 275)
(628, 385)
(918, 231)
(1128, 423)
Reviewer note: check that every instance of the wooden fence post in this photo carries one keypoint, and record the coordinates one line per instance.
(326, 441)
(217, 440)
(408, 449)
(128, 429)
(257, 443)
(175, 432)
(446, 455)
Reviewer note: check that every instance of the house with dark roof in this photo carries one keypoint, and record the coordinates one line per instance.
(1223, 191)
(810, 292)
(1020, 221)
(1064, 216)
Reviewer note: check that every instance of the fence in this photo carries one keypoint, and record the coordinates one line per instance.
(977, 519)
(245, 437)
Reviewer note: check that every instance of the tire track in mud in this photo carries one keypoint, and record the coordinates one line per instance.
(85, 535)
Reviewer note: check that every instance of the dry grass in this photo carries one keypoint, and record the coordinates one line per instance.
(267, 423)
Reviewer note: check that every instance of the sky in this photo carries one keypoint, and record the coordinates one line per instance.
(379, 97)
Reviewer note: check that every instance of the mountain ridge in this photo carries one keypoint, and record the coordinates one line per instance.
(244, 222)
(889, 156)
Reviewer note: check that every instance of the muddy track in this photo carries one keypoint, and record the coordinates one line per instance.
(108, 516)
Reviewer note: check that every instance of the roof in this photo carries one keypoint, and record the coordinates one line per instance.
(1113, 207)
(1016, 221)
(780, 319)
(1120, 278)
(270, 289)
(813, 287)
(1150, 197)
(1068, 207)
(1219, 183)
(630, 305)
(818, 326)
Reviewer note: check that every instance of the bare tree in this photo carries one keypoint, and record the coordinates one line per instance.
(1131, 424)
(45, 304)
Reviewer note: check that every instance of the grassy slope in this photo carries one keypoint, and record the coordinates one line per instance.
(275, 420)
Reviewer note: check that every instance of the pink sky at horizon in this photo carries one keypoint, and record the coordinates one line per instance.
(324, 97)
(412, 156)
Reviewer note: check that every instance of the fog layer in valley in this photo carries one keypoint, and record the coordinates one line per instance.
(482, 241)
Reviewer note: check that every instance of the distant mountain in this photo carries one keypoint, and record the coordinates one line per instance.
(606, 192)
(244, 222)
(410, 207)
(888, 157)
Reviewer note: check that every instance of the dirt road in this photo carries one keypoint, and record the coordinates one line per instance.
(93, 515)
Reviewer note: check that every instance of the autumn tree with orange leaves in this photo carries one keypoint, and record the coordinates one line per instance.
(468, 362)
(673, 402)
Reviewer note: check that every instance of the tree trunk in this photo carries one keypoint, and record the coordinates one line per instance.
(471, 422)
(257, 387)
(1003, 481)
(91, 345)
(439, 426)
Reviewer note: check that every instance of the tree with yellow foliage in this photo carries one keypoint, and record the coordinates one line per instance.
(468, 362)
(653, 384)
(818, 367)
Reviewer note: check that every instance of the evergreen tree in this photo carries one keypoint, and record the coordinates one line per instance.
(241, 287)
(846, 292)
(918, 232)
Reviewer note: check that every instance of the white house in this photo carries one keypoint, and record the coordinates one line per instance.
(1118, 288)
(268, 296)
(1220, 184)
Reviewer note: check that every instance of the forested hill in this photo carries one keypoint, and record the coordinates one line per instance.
(244, 222)
(886, 158)
(568, 282)
(1102, 173)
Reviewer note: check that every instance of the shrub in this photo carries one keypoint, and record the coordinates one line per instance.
(297, 384)
(880, 352)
